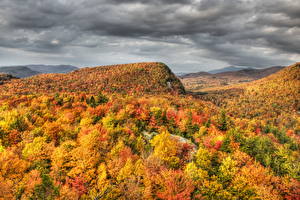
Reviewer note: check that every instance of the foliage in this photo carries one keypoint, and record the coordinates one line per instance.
(136, 78)
(82, 144)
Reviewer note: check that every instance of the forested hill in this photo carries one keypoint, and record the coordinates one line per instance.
(271, 98)
(150, 78)
(273, 95)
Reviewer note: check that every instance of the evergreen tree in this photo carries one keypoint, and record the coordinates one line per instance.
(223, 122)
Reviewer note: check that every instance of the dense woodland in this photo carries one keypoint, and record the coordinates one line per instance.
(138, 79)
(133, 136)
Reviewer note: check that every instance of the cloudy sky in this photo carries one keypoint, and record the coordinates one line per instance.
(188, 35)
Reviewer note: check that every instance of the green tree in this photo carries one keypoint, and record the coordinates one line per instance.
(223, 121)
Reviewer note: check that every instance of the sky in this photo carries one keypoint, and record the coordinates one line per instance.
(187, 35)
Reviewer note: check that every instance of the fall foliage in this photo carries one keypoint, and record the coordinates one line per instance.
(85, 141)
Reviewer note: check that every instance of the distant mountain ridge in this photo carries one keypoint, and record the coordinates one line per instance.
(31, 70)
(190, 75)
(227, 69)
(215, 71)
(45, 69)
(18, 71)
(201, 80)
(253, 73)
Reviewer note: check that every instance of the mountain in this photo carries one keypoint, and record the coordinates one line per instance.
(193, 75)
(46, 69)
(201, 80)
(126, 78)
(274, 94)
(179, 74)
(31, 70)
(269, 97)
(251, 73)
(225, 69)
(19, 71)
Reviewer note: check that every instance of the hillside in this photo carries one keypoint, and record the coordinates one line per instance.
(196, 82)
(266, 98)
(18, 71)
(31, 70)
(271, 96)
(139, 77)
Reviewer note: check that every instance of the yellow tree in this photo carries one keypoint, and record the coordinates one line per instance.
(166, 148)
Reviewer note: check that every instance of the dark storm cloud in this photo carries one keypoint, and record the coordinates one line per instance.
(183, 33)
(161, 19)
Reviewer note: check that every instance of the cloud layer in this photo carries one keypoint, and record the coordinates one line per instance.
(188, 35)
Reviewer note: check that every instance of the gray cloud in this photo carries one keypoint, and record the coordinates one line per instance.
(189, 35)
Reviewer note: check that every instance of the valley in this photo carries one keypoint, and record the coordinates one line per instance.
(196, 82)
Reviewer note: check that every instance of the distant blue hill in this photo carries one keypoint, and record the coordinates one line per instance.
(46, 69)
(31, 70)
(226, 69)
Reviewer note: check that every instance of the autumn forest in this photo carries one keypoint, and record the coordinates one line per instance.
(133, 132)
